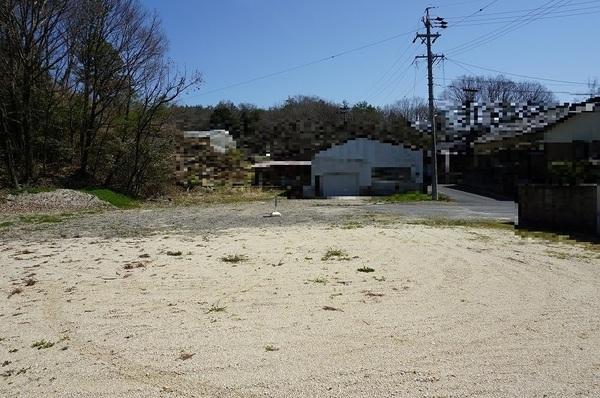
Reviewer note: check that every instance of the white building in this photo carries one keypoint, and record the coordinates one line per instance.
(365, 167)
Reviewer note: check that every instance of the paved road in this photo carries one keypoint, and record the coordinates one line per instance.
(463, 205)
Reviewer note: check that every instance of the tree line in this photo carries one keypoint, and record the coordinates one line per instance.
(85, 91)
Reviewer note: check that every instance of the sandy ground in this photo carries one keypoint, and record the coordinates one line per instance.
(447, 312)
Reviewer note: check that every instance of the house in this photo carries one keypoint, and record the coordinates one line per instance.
(563, 149)
(364, 166)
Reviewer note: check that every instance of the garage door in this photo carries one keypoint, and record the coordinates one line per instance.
(340, 185)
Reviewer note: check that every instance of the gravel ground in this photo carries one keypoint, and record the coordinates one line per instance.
(60, 200)
(271, 311)
(206, 219)
(213, 218)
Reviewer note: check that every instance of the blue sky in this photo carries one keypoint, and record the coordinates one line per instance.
(231, 41)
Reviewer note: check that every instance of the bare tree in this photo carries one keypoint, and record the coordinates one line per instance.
(411, 109)
(594, 87)
(497, 89)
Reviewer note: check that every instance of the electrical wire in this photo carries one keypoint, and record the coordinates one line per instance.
(460, 63)
(491, 3)
(385, 79)
(521, 11)
(305, 65)
(511, 26)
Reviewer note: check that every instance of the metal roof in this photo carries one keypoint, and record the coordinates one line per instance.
(282, 163)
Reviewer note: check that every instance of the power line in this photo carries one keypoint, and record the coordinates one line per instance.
(549, 15)
(538, 19)
(491, 3)
(383, 82)
(307, 64)
(526, 10)
(511, 26)
(515, 74)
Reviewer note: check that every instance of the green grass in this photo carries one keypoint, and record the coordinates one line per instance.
(42, 344)
(6, 224)
(44, 218)
(410, 197)
(225, 195)
(114, 198)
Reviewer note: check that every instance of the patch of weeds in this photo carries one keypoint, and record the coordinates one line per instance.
(365, 269)
(542, 235)
(29, 282)
(7, 373)
(410, 197)
(559, 255)
(42, 344)
(473, 223)
(184, 356)
(379, 278)
(6, 363)
(234, 258)
(271, 348)
(6, 224)
(16, 290)
(337, 254)
(114, 198)
(369, 293)
(134, 264)
(319, 279)
(481, 238)
(174, 253)
(216, 308)
(224, 195)
(43, 218)
(352, 225)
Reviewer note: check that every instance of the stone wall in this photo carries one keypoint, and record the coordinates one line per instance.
(560, 208)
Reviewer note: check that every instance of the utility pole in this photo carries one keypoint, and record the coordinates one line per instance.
(428, 39)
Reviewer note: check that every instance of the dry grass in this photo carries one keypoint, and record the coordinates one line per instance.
(335, 254)
(16, 290)
(234, 258)
(223, 195)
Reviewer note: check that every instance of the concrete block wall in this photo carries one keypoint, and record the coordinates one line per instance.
(560, 208)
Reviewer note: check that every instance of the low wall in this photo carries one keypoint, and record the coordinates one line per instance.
(561, 208)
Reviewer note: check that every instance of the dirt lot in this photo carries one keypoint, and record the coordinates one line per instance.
(183, 302)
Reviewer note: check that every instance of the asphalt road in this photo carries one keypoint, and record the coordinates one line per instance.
(464, 205)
